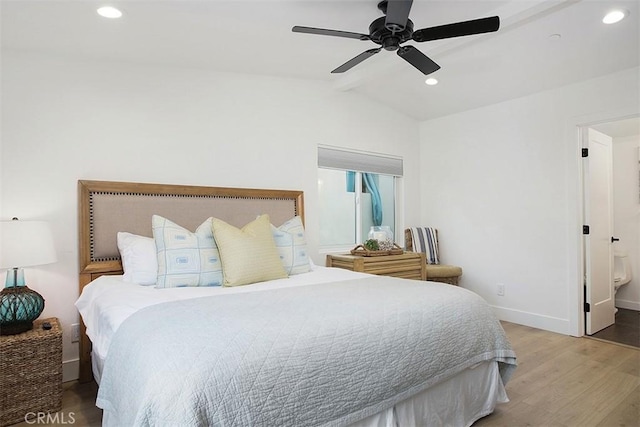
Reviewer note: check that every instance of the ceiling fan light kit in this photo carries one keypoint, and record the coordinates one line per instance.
(395, 28)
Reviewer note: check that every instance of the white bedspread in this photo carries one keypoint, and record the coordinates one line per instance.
(107, 301)
(322, 354)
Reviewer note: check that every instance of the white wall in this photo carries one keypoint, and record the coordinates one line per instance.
(65, 120)
(626, 226)
(502, 185)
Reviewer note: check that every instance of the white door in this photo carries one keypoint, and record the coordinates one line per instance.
(598, 184)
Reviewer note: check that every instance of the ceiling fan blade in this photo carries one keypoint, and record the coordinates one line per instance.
(355, 61)
(397, 14)
(418, 59)
(325, 32)
(466, 28)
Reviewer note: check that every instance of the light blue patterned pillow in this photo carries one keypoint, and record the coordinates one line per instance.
(186, 258)
(292, 246)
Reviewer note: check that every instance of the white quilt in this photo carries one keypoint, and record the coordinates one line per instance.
(325, 354)
(108, 301)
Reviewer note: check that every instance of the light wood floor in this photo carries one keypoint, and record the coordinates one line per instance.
(567, 381)
(560, 381)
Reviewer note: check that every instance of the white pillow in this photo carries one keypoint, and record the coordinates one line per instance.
(139, 260)
(186, 258)
(292, 246)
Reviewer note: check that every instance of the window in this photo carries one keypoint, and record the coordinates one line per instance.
(356, 190)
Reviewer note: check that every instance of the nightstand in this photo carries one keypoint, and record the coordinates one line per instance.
(31, 372)
(409, 265)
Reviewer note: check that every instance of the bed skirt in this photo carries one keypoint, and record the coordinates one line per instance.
(476, 391)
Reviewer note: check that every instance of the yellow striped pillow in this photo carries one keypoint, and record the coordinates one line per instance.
(248, 255)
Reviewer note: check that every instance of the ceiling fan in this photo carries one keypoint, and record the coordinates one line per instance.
(395, 28)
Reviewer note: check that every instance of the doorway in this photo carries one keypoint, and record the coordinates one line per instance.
(626, 136)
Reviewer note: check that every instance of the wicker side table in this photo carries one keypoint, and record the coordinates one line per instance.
(409, 265)
(31, 372)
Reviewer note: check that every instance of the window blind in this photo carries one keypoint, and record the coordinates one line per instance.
(335, 158)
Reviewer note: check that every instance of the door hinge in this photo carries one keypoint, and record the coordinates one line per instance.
(585, 152)
(585, 229)
(587, 307)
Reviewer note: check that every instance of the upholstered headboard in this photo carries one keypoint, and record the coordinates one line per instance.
(105, 208)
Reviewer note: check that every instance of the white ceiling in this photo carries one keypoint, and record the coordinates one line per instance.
(620, 128)
(255, 37)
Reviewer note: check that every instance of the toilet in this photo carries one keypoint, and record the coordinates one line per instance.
(622, 269)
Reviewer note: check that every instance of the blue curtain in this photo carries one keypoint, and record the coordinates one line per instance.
(351, 182)
(371, 185)
(376, 200)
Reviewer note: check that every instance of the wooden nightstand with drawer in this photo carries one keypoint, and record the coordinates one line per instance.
(409, 265)
(31, 372)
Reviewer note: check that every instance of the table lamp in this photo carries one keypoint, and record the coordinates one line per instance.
(22, 244)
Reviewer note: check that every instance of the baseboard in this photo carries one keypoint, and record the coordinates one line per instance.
(70, 369)
(547, 323)
(629, 305)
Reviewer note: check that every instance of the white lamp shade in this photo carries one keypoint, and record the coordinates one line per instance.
(26, 243)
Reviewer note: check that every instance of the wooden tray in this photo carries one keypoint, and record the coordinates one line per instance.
(360, 250)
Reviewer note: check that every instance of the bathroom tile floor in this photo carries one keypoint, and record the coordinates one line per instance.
(626, 330)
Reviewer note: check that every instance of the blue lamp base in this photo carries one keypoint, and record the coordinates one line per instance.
(19, 305)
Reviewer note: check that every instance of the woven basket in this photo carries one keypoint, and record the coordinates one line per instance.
(360, 250)
(30, 372)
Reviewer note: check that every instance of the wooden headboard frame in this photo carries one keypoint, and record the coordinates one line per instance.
(106, 207)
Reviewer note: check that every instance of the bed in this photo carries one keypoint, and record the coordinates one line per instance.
(323, 346)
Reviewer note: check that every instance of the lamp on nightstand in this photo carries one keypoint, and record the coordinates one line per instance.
(23, 244)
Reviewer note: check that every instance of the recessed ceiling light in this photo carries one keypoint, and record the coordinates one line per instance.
(431, 81)
(614, 16)
(109, 12)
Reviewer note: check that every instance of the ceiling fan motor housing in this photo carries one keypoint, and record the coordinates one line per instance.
(378, 33)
